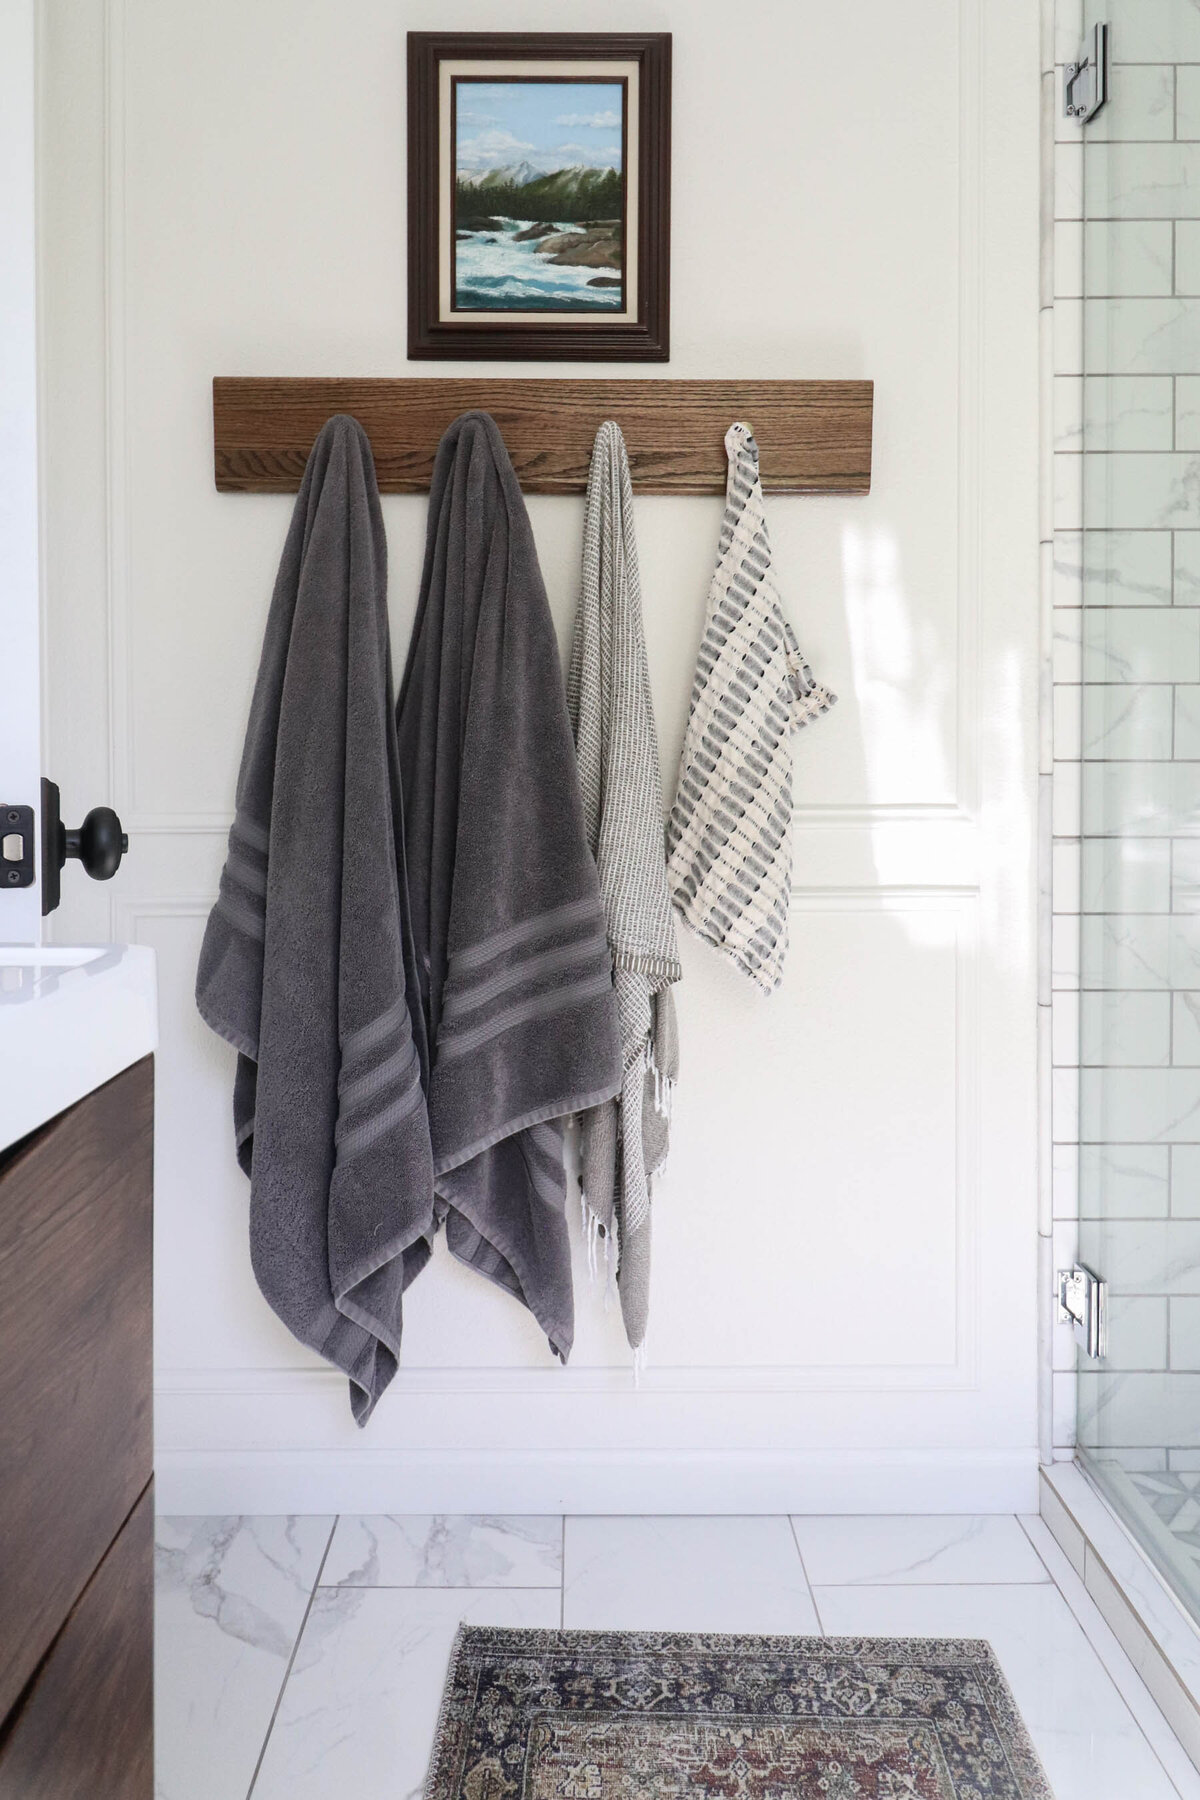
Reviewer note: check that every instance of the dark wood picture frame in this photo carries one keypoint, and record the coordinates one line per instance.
(568, 337)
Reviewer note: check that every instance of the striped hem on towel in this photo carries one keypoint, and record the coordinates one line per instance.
(527, 971)
(379, 1083)
(242, 899)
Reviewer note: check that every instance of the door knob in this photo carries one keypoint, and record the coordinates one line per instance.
(99, 844)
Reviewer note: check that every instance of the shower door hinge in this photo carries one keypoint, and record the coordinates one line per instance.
(1083, 1303)
(1085, 83)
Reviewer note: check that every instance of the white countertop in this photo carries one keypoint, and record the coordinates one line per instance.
(70, 1019)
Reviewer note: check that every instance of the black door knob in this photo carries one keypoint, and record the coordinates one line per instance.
(99, 843)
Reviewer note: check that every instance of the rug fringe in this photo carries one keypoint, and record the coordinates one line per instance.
(442, 1733)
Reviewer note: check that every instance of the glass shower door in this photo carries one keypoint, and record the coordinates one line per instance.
(1139, 1031)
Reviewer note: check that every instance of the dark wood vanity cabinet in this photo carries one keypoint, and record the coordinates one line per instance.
(76, 1498)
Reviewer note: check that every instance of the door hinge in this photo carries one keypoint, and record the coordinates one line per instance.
(1083, 1303)
(1085, 83)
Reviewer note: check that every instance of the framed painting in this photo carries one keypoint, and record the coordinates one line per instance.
(539, 181)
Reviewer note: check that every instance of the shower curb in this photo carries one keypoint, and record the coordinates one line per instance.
(1160, 1638)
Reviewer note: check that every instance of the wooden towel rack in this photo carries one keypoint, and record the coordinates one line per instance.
(814, 436)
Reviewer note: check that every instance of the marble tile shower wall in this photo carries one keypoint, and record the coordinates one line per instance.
(1125, 666)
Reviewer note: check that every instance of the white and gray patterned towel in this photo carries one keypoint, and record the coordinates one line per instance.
(624, 1141)
(729, 834)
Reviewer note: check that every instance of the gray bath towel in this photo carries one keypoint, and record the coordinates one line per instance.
(515, 968)
(307, 963)
(624, 1143)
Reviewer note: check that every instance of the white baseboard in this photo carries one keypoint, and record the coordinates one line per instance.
(579, 1481)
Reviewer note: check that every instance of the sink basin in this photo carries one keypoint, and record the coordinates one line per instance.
(59, 956)
(71, 1017)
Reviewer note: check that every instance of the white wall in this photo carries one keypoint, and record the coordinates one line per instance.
(843, 1306)
(20, 746)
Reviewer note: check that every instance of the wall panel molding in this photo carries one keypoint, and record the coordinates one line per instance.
(961, 1373)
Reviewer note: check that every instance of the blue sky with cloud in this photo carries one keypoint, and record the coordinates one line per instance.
(548, 124)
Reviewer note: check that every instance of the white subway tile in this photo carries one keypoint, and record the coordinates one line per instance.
(1187, 568)
(1123, 568)
(1123, 412)
(1065, 950)
(1067, 723)
(1185, 876)
(1140, 644)
(1155, 491)
(1121, 721)
(1068, 260)
(1134, 337)
(1137, 1332)
(1144, 1256)
(1068, 337)
(1132, 1106)
(1185, 1181)
(1124, 257)
(1144, 31)
(1065, 875)
(1065, 1030)
(1068, 491)
(1187, 414)
(1068, 411)
(1134, 181)
(1063, 1408)
(1187, 258)
(1130, 1030)
(1130, 875)
(1124, 1181)
(1128, 950)
(1187, 721)
(1138, 1409)
(1185, 1028)
(1065, 1087)
(1065, 1180)
(1185, 1332)
(1066, 653)
(1066, 800)
(1068, 183)
(1067, 568)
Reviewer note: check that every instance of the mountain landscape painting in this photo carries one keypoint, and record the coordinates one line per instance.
(539, 195)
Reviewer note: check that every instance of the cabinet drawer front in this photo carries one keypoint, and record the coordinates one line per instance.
(75, 1357)
(86, 1725)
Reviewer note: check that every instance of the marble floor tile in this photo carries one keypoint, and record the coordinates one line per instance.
(441, 1550)
(1118, 1665)
(685, 1574)
(1092, 1747)
(878, 1551)
(360, 1709)
(230, 1598)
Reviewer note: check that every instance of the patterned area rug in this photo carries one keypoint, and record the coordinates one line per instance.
(615, 1715)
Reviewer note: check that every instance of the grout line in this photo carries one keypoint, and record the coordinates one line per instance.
(875, 1584)
(287, 1674)
(446, 1587)
(812, 1593)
